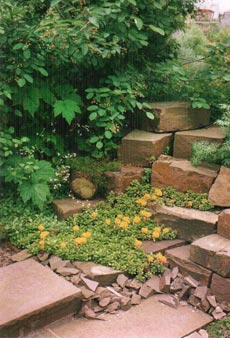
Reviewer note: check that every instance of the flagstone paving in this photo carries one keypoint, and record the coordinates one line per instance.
(150, 319)
(31, 296)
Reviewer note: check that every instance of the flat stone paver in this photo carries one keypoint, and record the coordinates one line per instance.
(150, 319)
(32, 293)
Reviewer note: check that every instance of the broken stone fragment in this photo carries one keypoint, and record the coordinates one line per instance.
(89, 313)
(122, 280)
(113, 307)
(21, 256)
(56, 262)
(194, 301)
(191, 281)
(212, 300)
(154, 283)
(76, 280)
(201, 292)
(169, 300)
(43, 256)
(134, 284)
(125, 303)
(177, 285)
(184, 292)
(92, 285)
(146, 291)
(86, 292)
(136, 299)
(218, 313)
(105, 301)
(165, 282)
(67, 271)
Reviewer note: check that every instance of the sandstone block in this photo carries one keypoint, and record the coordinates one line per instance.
(119, 181)
(181, 175)
(220, 287)
(180, 257)
(21, 256)
(183, 140)
(223, 225)
(67, 206)
(213, 252)
(190, 224)
(173, 116)
(138, 147)
(219, 193)
(162, 246)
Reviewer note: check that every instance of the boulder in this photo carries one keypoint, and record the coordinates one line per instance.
(219, 194)
(139, 147)
(181, 175)
(67, 206)
(119, 181)
(181, 257)
(223, 225)
(220, 287)
(190, 224)
(213, 252)
(173, 116)
(183, 140)
(83, 188)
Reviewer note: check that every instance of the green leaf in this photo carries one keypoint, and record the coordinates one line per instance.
(28, 78)
(43, 71)
(38, 192)
(31, 100)
(93, 21)
(133, 2)
(21, 82)
(157, 29)
(99, 145)
(92, 116)
(138, 23)
(66, 108)
(84, 49)
(18, 46)
(89, 96)
(27, 54)
(44, 172)
(150, 115)
(93, 139)
(91, 108)
(108, 134)
(54, 2)
(226, 77)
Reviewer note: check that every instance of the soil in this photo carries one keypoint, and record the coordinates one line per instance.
(6, 251)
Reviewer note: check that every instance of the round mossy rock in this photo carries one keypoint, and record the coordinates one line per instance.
(83, 187)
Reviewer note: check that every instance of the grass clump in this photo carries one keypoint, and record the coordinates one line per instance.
(219, 329)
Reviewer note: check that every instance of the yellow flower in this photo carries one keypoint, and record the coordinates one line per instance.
(150, 259)
(44, 234)
(75, 228)
(41, 227)
(136, 220)
(42, 244)
(126, 219)
(158, 229)
(108, 221)
(117, 221)
(165, 230)
(155, 234)
(142, 202)
(146, 196)
(203, 201)
(161, 258)
(80, 240)
(86, 234)
(137, 244)
(158, 192)
(153, 198)
(148, 214)
(144, 230)
(189, 204)
(63, 245)
(119, 216)
(124, 225)
(94, 215)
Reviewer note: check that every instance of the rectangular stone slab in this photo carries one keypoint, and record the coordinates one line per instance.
(181, 257)
(31, 296)
(173, 116)
(184, 139)
(190, 224)
(213, 252)
(138, 147)
(150, 319)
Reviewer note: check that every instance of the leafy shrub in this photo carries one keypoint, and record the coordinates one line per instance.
(212, 152)
(20, 169)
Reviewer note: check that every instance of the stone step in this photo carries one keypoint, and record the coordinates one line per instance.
(161, 246)
(181, 175)
(220, 287)
(190, 224)
(33, 296)
(213, 252)
(118, 181)
(139, 147)
(223, 225)
(184, 139)
(181, 257)
(67, 206)
(173, 116)
(150, 319)
(219, 193)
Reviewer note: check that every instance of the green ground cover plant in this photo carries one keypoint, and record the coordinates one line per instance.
(109, 234)
(219, 329)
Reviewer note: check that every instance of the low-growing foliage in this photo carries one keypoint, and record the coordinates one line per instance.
(219, 329)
